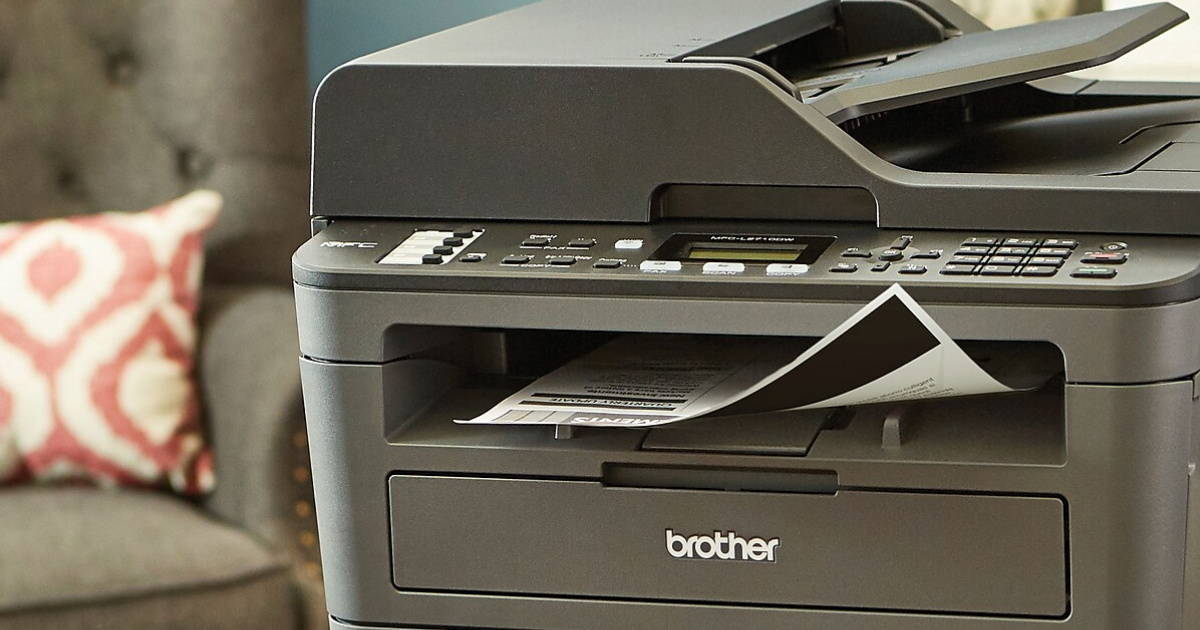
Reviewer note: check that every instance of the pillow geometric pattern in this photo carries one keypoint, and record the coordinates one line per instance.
(97, 332)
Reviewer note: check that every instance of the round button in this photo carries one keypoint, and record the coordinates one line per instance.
(1114, 246)
(891, 254)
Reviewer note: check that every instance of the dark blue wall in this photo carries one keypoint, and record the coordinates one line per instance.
(340, 30)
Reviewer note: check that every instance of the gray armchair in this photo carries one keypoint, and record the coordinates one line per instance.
(122, 104)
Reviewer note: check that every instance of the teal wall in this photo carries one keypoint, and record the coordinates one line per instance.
(340, 30)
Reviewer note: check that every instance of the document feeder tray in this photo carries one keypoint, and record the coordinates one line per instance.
(975, 62)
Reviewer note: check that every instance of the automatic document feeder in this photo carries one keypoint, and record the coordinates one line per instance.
(493, 202)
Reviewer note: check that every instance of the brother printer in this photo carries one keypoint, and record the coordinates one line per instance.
(495, 200)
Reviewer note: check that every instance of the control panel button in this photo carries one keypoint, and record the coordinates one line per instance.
(891, 254)
(723, 267)
(1043, 261)
(1005, 260)
(535, 242)
(660, 265)
(966, 259)
(980, 240)
(856, 252)
(1069, 243)
(453, 241)
(997, 270)
(470, 258)
(405, 259)
(515, 260)
(629, 243)
(1021, 242)
(932, 254)
(581, 243)
(913, 270)
(407, 248)
(844, 267)
(464, 232)
(431, 259)
(425, 238)
(979, 250)
(953, 269)
(902, 243)
(786, 269)
(883, 266)
(1115, 246)
(443, 250)
(1013, 251)
(1058, 252)
(561, 261)
(1094, 272)
(607, 263)
(1039, 270)
(1104, 258)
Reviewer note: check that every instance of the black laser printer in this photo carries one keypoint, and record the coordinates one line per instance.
(495, 200)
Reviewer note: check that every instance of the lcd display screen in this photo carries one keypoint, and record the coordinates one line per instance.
(762, 249)
(745, 254)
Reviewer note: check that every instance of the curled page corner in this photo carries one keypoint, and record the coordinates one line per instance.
(891, 350)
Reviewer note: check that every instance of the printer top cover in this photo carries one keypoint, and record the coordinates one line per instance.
(907, 113)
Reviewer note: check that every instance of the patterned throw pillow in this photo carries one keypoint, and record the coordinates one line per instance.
(97, 330)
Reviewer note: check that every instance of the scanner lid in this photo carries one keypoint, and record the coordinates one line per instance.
(973, 62)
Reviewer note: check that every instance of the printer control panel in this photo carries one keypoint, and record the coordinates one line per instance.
(742, 259)
(773, 255)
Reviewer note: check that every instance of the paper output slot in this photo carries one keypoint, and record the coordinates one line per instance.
(672, 478)
(635, 381)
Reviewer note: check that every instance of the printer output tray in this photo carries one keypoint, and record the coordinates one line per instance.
(977, 61)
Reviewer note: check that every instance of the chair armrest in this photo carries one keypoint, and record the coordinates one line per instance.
(249, 375)
(250, 385)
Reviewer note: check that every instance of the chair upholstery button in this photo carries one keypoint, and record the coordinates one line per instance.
(120, 69)
(68, 182)
(193, 164)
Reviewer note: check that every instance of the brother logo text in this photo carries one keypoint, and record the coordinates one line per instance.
(721, 546)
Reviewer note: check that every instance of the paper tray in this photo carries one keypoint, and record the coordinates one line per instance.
(859, 550)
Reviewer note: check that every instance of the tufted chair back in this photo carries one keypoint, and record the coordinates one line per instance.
(124, 104)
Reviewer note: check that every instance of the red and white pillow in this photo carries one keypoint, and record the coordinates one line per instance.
(97, 332)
